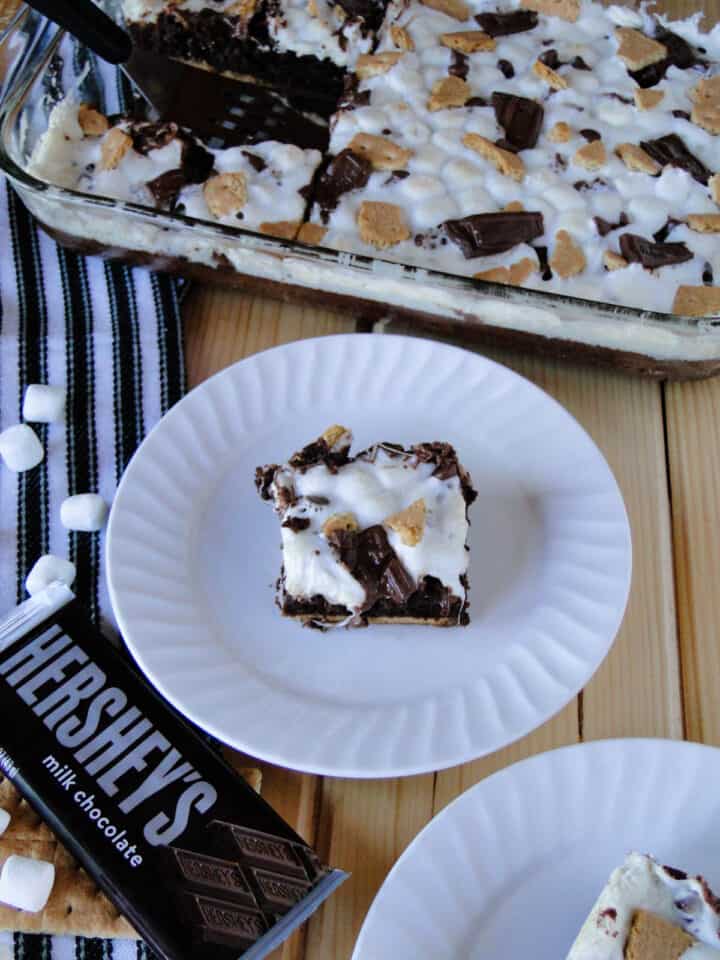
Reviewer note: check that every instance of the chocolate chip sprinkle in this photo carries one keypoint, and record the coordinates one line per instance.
(551, 58)
(255, 160)
(506, 68)
(459, 65)
(590, 135)
(579, 64)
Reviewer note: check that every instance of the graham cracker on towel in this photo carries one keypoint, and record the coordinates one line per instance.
(76, 906)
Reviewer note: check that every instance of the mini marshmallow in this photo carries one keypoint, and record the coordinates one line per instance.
(26, 884)
(4, 821)
(20, 448)
(47, 570)
(43, 403)
(84, 511)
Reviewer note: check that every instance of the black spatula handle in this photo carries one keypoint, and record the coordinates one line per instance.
(90, 25)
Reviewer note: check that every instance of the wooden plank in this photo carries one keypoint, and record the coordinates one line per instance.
(222, 326)
(693, 428)
(364, 826)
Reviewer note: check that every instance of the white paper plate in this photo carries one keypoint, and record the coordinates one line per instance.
(193, 554)
(511, 869)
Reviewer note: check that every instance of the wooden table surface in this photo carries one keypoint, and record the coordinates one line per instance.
(661, 677)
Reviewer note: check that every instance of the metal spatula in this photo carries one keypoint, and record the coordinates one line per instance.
(224, 112)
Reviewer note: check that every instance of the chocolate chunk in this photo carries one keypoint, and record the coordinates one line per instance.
(197, 162)
(484, 234)
(542, 255)
(459, 65)
(680, 55)
(223, 923)
(264, 478)
(476, 102)
(637, 249)
(396, 582)
(296, 524)
(675, 873)
(351, 96)
(368, 12)
(708, 274)
(520, 118)
(347, 171)
(661, 235)
(317, 499)
(671, 151)
(279, 893)
(502, 24)
(166, 187)
(147, 136)
(681, 114)
(551, 58)
(203, 874)
(560, 163)
(255, 161)
(590, 135)
(579, 64)
(617, 96)
(604, 227)
(506, 68)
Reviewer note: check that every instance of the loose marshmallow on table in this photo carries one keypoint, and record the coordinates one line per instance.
(47, 570)
(4, 821)
(26, 884)
(43, 403)
(83, 511)
(20, 448)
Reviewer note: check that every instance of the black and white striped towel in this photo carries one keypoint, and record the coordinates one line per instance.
(112, 337)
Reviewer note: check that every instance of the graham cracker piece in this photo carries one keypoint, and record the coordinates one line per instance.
(241, 8)
(636, 159)
(567, 259)
(613, 261)
(283, 229)
(311, 233)
(409, 524)
(565, 9)
(382, 153)
(704, 222)
(226, 193)
(646, 99)
(697, 301)
(401, 38)
(504, 161)
(636, 50)
(591, 156)
(514, 275)
(654, 938)
(559, 133)
(550, 76)
(381, 224)
(453, 8)
(468, 41)
(448, 92)
(76, 906)
(515, 206)
(92, 122)
(714, 184)
(706, 104)
(340, 521)
(375, 64)
(114, 147)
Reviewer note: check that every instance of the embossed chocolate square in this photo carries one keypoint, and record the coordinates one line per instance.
(378, 537)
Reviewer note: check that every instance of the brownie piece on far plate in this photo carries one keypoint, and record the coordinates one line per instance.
(378, 537)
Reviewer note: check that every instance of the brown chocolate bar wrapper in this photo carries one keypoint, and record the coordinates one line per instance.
(187, 851)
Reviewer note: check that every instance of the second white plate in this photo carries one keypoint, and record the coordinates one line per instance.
(511, 869)
(193, 554)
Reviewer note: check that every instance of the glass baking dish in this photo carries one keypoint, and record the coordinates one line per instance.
(42, 64)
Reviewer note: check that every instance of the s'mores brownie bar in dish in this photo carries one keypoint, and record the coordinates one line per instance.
(378, 537)
(651, 912)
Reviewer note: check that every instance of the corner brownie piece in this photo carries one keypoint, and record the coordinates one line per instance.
(379, 537)
(650, 912)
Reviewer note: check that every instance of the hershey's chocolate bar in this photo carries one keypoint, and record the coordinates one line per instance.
(189, 853)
